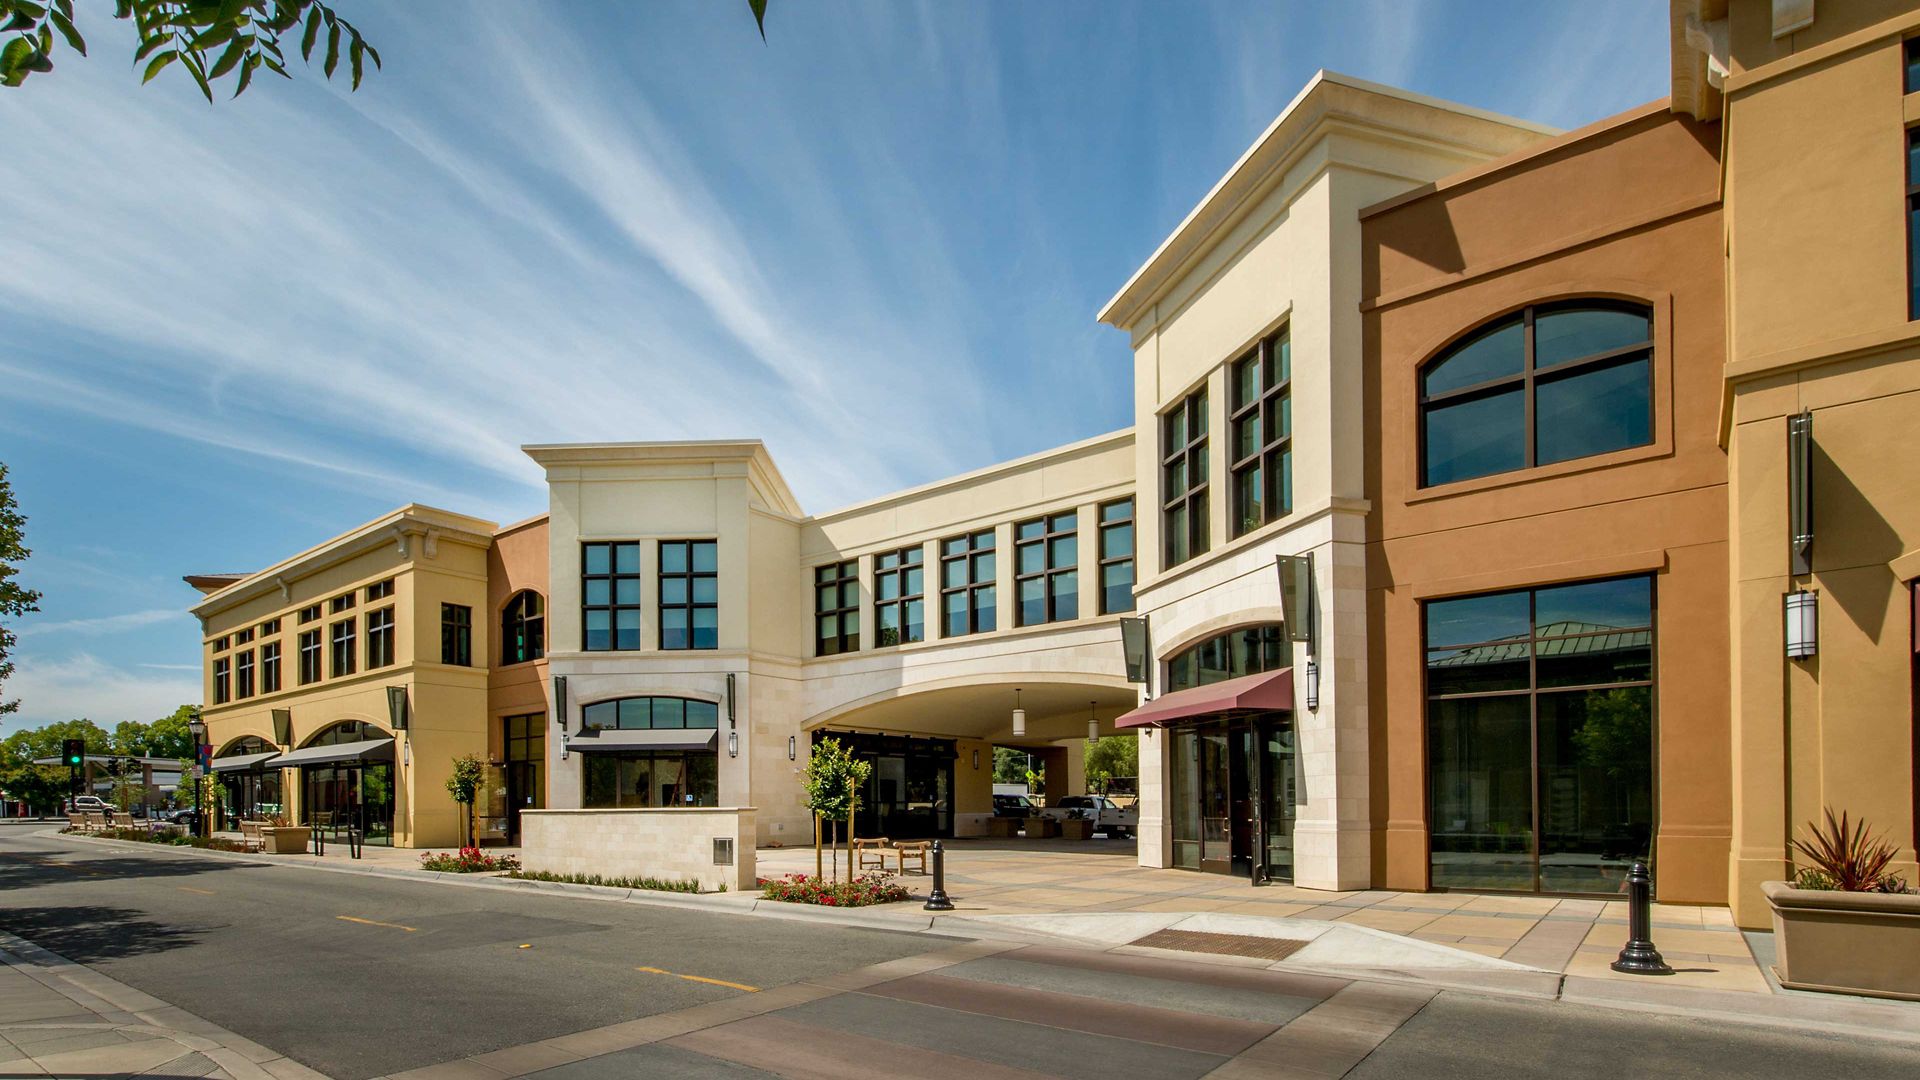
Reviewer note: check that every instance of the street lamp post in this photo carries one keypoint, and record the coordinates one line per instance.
(198, 728)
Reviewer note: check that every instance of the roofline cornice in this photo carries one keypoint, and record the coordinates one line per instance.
(1004, 468)
(750, 452)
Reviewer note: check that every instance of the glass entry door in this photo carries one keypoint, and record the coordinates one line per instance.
(1233, 789)
(361, 796)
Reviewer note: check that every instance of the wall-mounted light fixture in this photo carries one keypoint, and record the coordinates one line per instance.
(793, 748)
(730, 722)
(1093, 724)
(560, 703)
(976, 759)
(397, 707)
(1019, 716)
(733, 744)
(1803, 624)
(1313, 684)
(1800, 494)
(564, 739)
(1135, 648)
(1301, 611)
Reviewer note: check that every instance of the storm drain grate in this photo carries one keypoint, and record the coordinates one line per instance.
(1260, 948)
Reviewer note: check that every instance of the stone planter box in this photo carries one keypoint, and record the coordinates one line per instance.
(1076, 829)
(1846, 942)
(1040, 828)
(285, 839)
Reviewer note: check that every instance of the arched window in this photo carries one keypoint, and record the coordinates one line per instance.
(1548, 383)
(246, 744)
(1246, 651)
(348, 731)
(643, 713)
(523, 628)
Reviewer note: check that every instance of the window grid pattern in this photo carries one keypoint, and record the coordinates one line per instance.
(836, 608)
(1046, 553)
(1262, 428)
(650, 713)
(967, 599)
(1116, 557)
(456, 635)
(343, 658)
(379, 638)
(689, 594)
(1183, 480)
(379, 590)
(309, 657)
(341, 603)
(310, 613)
(1913, 210)
(270, 668)
(523, 628)
(610, 596)
(243, 675)
(222, 680)
(899, 597)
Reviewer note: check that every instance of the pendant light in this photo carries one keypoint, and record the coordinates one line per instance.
(1019, 716)
(1093, 724)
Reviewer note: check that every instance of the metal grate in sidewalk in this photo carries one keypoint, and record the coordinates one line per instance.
(1260, 948)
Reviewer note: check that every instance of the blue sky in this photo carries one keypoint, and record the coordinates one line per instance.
(876, 241)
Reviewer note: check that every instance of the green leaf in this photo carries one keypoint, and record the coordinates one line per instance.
(14, 57)
(313, 33)
(373, 52)
(759, 16)
(353, 58)
(29, 9)
(196, 68)
(65, 26)
(333, 49)
(159, 64)
(122, 8)
(215, 35)
(236, 51)
(149, 45)
(64, 7)
(246, 74)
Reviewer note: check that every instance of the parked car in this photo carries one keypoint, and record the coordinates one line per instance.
(1107, 816)
(1013, 806)
(186, 817)
(92, 804)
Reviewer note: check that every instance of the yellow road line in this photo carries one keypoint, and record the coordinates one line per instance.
(701, 979)
(374, 922)
(191, 889)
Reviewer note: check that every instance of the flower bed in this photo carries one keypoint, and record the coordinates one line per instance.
(655, 884)
(468, 860)
(170, 838)
(863, 891)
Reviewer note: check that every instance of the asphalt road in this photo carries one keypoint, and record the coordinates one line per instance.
(360, 976)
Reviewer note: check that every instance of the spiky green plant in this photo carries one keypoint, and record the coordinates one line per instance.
(1846, 852)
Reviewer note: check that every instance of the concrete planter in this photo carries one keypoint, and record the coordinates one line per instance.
(285, 839)
(1846, 942)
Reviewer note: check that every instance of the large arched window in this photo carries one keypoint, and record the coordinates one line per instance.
(523, 628)
(643, 713)
(349, 731)
(1246, 651)
(246, 744)
(1548, 383)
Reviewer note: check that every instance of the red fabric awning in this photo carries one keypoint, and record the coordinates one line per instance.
(1268, 691)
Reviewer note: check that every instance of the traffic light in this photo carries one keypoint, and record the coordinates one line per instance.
(75, 751)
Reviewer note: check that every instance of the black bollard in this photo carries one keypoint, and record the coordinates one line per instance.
(937, 899)
(1640, 957)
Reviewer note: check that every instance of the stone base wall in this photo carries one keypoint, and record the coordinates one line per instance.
(672, 843)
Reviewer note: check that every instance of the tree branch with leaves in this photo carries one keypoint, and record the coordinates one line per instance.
(15, 599)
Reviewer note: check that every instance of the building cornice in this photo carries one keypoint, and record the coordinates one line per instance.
(750, 453)
(1122, 437)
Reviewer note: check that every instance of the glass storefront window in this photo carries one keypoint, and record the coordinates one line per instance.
(1184, 798)
(1246, 651)
(646, 779)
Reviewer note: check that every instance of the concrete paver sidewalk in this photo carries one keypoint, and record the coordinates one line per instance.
(58, 1018)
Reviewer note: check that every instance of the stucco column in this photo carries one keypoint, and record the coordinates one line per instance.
(1155, 848)
(1332, 835)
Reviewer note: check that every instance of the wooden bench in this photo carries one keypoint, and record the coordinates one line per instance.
(123, 819)
(916, 849)
(870, 851)
(76, 821)
(250, 837)
(96, 821)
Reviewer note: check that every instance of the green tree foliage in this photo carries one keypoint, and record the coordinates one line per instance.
(42, 787)
(21, 747)
(211, 39)
(832, 780)
(1009, 765)
(1113, 756)
(462, 783)
(170, 736)
(1618, 733)
(15, 600)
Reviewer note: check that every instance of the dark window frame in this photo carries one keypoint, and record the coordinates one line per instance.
(456, 635)
(1273, 457)
(222, 680)
(972, 545)
(523, 634)
(690, 606)
(243, 669)
(613, 607)
(341, 603)
(1106, 526)
(905, 559)
(309, 648)
(1270, 635)
(846, 616)
(379, 590)
(342, 658)
(310, 613)
(1913, 215)
(1190, 456)
(380, 637)
(1050, 531)
(588, 712)
(270, 667)
(271, 626)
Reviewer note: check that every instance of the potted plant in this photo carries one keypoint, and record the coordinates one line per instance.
(280, 836)
(1844, 923)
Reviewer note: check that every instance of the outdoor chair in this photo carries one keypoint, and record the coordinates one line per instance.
(123, 819)
(870, 851)
(250, 837)
(76, 821)
(96, 821)
(916, 850)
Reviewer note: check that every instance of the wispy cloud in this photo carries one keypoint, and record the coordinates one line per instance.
(102, 625)
(83, 685)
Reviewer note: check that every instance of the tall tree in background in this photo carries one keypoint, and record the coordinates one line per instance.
(15, 600)
(170, 735)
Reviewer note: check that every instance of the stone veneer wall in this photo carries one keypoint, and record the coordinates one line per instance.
(674, 843)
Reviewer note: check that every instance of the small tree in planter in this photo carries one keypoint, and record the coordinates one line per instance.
(833, 779)
(463, 784)
(1844, 923)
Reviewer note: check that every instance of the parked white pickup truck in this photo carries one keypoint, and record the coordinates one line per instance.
(1107, 816)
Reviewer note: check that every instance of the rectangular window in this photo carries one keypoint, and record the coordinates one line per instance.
(309, 657)
(1116, 557)
(836, 608)
(222, 681)
(223, 643)
(310, 613)
(379, 590)
(243, 675)
(1183, 480)
(899, 590)
(270, 668)
(343, 658)
(1046, 569)
(271, 626)
(638, 778)
(341, 603)
(379, 638)
(1913, 66)
(456, 635)
(1540, 736)
(1913, 221)
(241, 637)
(966, 584)
(1262, 426)
(610, 596)
(689, 594)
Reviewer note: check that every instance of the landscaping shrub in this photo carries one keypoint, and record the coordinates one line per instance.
(468, 860)
(655, 884)
(172, 839)
(863, 891)
(1845, 856)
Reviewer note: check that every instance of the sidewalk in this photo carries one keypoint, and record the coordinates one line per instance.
(62, 1019)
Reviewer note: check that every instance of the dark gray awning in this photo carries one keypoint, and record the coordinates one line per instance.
(238, 763)
(647, 739)
(366, 752)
